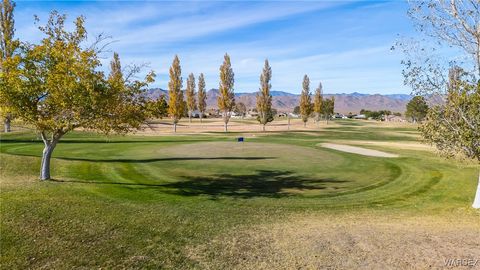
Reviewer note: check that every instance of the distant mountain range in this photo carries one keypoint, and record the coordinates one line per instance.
(284, 101)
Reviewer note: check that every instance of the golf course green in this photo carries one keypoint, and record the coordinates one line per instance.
(158, 201)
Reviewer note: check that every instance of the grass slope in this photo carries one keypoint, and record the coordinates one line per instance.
(159, 202)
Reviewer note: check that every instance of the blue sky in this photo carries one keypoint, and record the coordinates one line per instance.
(343, 44)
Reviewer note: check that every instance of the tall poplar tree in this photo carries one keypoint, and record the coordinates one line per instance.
(264, 98)
(191, 102)
(202, 96)
(116, 74)
(305, 100)
(8, 45)
(318, 102)
(176, 105)
(226, 98)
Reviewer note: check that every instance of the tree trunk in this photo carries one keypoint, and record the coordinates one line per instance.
(225, 120)
(263, 127)
(201, 117)
(7, 124)
(190, 117)
(174, 127)
(304, 123)
(45, 167)
(288, 122)
(47, 154)
(476, 201)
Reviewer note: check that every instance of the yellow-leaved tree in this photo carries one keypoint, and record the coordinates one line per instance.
(318, 102)
(452, 125)
(226, 98)
(8, 46)
(176, 104)
(305, 100)
(202, 96)
(264, 98)
(190, 92)
(56, 86)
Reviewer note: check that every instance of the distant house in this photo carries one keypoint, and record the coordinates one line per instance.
(196, 114)
(394, 118)
(293, 115)
(236, 115)
(252, 114)
(360, 116)
(339, 116)
(213, 112)
(282, 114)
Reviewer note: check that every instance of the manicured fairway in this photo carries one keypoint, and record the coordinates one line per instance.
(196, 201)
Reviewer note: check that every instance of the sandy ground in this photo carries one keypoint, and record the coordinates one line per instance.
(358, 150)
(353, 242)
(165, 126)
(235, 125)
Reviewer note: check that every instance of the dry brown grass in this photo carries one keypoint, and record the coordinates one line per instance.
(236, 125)
(342, 241)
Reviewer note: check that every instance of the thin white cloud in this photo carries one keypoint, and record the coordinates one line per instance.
(331, 48)
(201, 24)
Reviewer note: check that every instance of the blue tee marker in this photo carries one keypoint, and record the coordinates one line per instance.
(240, 139)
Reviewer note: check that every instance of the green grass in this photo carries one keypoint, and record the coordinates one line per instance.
(142, 201)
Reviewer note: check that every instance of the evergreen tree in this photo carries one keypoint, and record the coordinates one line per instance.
(176, 106)
(417, 109)
(191, 102)
(264, 98)
(241, 109)
(328, 108)
(158, 108)
(226, 98)
(202, 96)
(296, 110)
(305, 101)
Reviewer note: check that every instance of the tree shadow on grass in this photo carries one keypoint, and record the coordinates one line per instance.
(149, 160)
(163, 159)
(262, 183)
(99, 141)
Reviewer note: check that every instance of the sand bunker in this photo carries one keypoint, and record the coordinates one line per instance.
(410, 145)
(358, 150)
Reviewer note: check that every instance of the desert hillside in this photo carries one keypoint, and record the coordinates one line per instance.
(344, 103)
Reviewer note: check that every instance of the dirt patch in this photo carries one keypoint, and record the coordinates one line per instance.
(358, 150)
(343, 243)
(163, 127)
